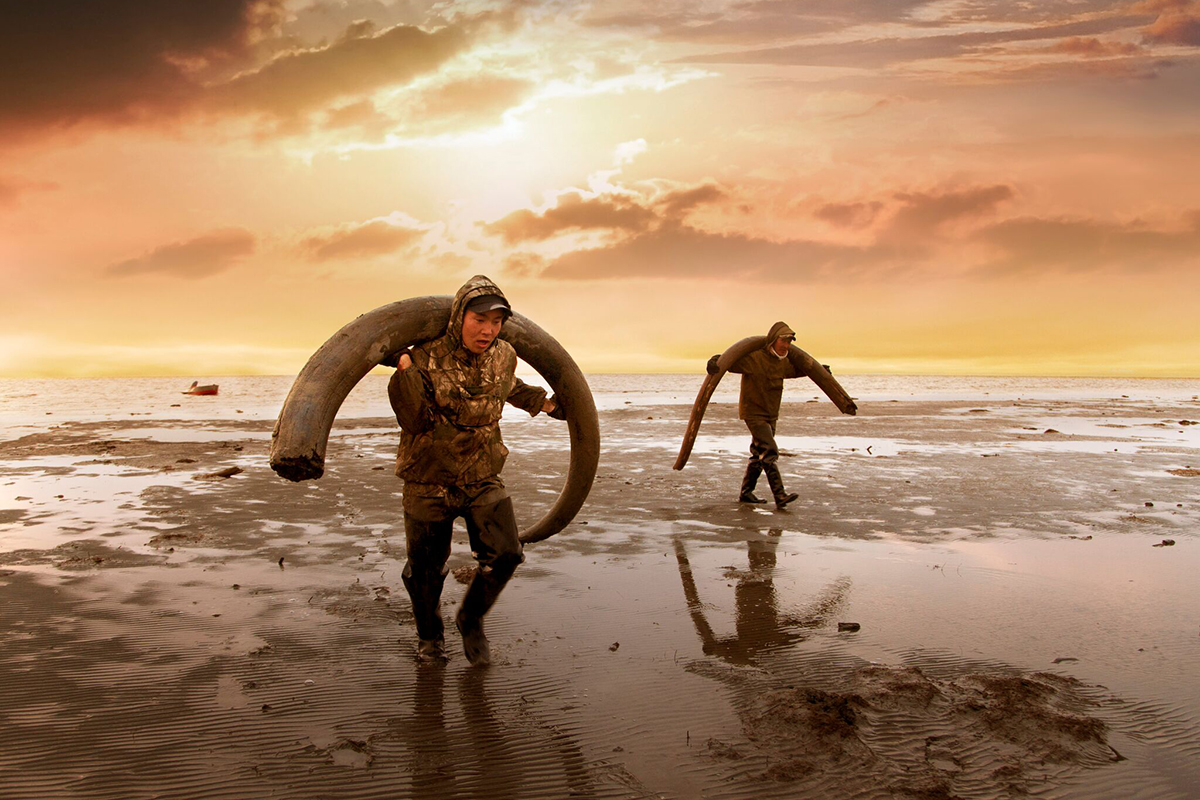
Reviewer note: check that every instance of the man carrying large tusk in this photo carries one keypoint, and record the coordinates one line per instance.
(763, 372)
(448, 395)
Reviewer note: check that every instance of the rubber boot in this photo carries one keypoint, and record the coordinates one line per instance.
(782, 497)
(753, 470)
(481, 594)
(425, 592)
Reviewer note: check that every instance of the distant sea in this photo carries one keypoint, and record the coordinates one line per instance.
(36, 404)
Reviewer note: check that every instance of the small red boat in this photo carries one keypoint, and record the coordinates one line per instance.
(196, 388)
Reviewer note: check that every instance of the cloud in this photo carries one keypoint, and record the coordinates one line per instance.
(572, 212)
(763, 21)
(62, 61)
(11, 189)
(464, 102)
(523, 265)
(921, 212)
(916, 213)
(302, 81)
(1091, 47)
(196, 258)
(1020, 245)
(885, 52)
(977, 11)
(361, 115)
(614, 209)
(1034, 244)
(683, 252)
(372, 238)
(1179, 24)
(849, 215)
(675, 204)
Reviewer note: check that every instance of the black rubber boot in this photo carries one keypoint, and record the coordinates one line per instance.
(425, 592)
(748, 483)
(782, 497)
(481, 594)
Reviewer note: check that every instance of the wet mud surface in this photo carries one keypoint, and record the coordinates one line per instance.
(966, 602)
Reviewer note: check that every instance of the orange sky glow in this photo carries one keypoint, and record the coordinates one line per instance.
(213, 187)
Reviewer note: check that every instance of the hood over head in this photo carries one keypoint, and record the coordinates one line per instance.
(478, 286)
(777, 330)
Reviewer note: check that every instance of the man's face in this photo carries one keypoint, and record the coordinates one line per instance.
(480, 330)
(781, 346)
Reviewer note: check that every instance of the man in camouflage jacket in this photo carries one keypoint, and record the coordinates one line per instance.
(448, 395)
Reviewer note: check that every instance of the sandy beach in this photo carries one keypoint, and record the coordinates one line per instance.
(973, 598)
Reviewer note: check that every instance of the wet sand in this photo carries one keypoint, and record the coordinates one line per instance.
(166, 634)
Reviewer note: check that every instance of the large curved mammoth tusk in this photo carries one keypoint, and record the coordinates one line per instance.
(805, 365)
(302, 431)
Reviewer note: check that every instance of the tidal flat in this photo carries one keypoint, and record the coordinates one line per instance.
(972, 598)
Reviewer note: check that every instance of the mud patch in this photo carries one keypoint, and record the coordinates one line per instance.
(977, 734)
(360, 602)
(82, 554)
(183, 539)
(806, 731)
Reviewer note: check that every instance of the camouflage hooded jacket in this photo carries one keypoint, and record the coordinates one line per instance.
(448, 403)
(763, 374)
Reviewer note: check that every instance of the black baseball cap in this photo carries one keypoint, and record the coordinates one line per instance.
(489, 302)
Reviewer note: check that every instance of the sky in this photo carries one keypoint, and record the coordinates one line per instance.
(214, 187)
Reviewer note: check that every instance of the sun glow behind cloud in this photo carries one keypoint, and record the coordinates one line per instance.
(913, 186)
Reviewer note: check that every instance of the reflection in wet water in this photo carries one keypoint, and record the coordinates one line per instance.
(474, 749)
(760, 627)
(432, 760)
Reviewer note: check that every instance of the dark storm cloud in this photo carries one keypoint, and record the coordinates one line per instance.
(62, 61)
(128, 61)
(196, 258)
(378, 237)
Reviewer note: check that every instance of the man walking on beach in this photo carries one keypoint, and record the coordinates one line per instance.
(763, 372)
(448, 395)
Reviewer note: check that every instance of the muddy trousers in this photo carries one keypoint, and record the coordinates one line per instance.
(494, 543)
(763, 457)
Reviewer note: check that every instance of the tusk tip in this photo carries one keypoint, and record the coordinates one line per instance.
(299, 468)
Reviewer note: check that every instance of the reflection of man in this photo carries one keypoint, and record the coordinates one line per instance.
(761, 628)
(763, 372)
(448, 395)
(759, 625)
